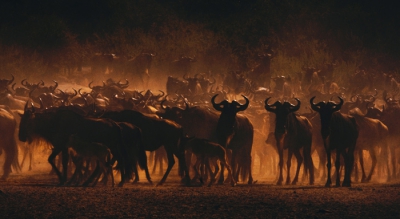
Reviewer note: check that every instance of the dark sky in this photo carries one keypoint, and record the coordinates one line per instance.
(41, 24)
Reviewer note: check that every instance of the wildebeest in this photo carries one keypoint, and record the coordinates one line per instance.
(205, 152)
(156, 133)
(227, 126)
(82, 151)
(292, 132)
(8, 143)
(57, 125)
(182, 65)
(201, 122)
(372, 134)
(261, 74)
(140, 67)
(100, 63)
(339, 132)
(390, 117)
(4, 83)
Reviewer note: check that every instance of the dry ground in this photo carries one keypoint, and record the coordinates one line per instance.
(34, 194)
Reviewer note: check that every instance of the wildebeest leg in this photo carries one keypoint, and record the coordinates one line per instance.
(248, 165)
(10, 154)
(349, 163)
(148, 177)
(171, 163)
(54, 153)
(223, 161)
(196, 167)
(92, 177)
(221, 175)
(152, 159)
(78, 168)
(361, 159)
(337, 165)
(374, 160)
(27, 153)
(135, 170)
(280, 153)
(188, 158)
(212, 174)
(288, 165)
(234, 164)
(329, 166)
(299, 162)
(308, 163)
(393, 159)
(384, 155)
(204, 172)
(110, 170)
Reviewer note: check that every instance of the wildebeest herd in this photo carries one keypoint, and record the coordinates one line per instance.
(99, 129)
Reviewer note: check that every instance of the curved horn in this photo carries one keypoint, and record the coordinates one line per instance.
(11, 81)
(162, 104)
(186, 103)
(376, 93)
(214, 80)
(244, 106)
(80, 93)
(76, 92)
(339, 105)
(12, 87)
(26, 83)
(41, 103)
(294, 108)
(373, 97)
(62, 92)
(269, 107)
(216, 105)
(201, 76)
(124, 85)
(160, 95)
(55, 86)
(90, 84)
(314, 106)
(352, 98)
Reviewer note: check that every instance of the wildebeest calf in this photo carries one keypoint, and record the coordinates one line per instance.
(204, 151)
(82, 151)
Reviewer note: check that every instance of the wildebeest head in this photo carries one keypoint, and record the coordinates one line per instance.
(4, 83)
(227, 122)
(173, 113)
(229, 108)
(282, 111)
(325, 110)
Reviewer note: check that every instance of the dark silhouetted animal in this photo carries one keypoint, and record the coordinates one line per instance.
(339, 132)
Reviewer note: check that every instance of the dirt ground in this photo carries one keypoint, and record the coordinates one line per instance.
(34, 194)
